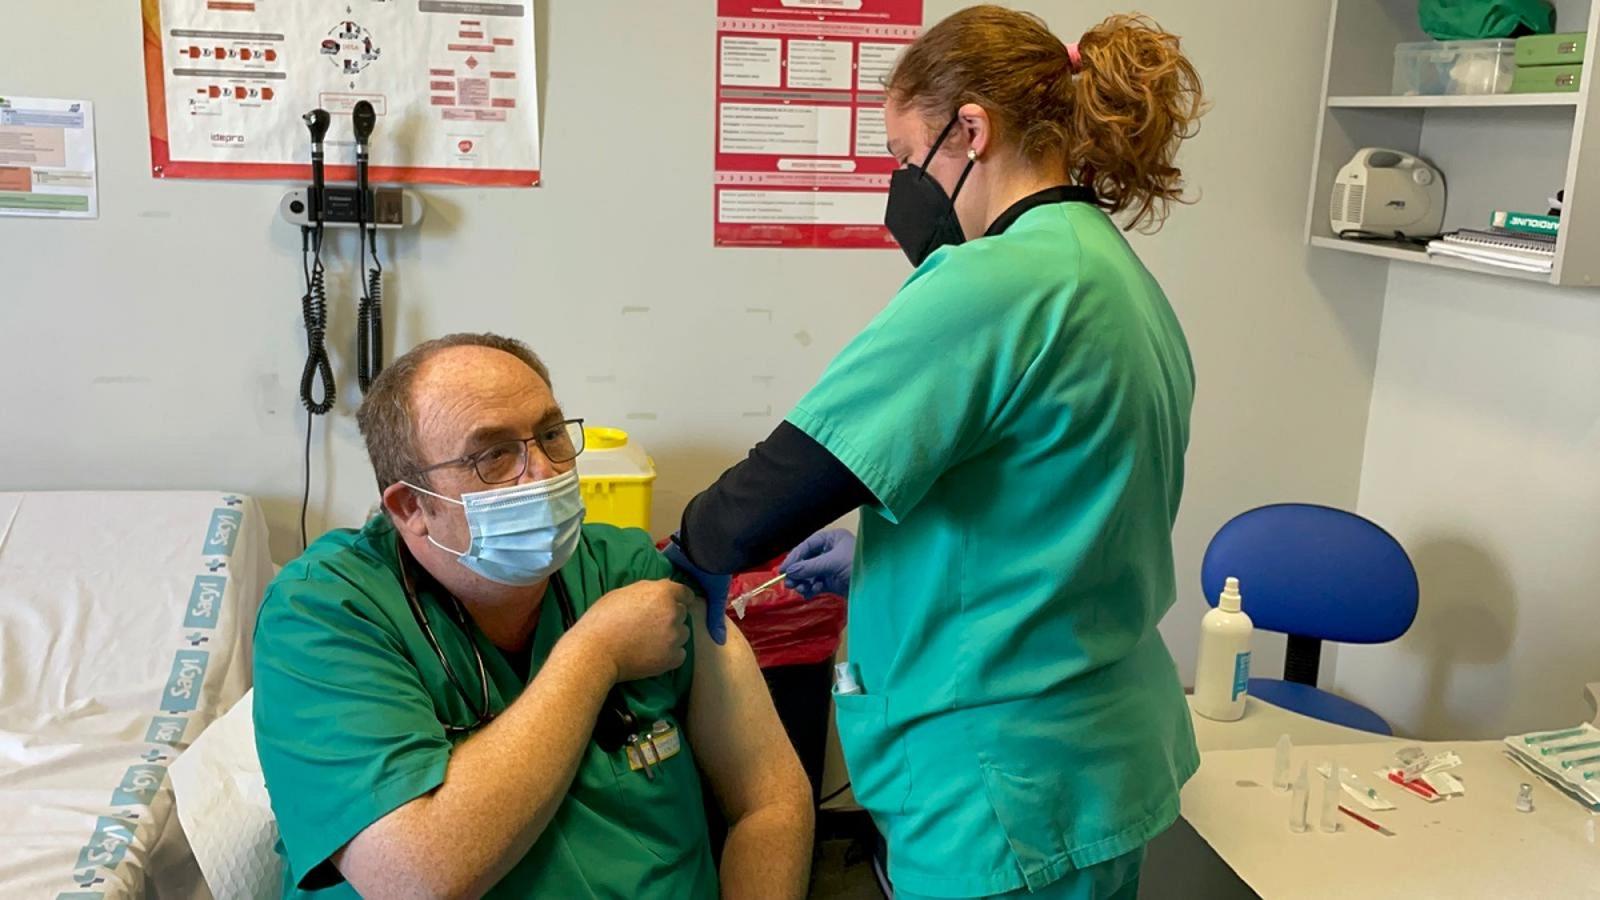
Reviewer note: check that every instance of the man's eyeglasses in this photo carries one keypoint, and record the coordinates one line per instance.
(505, 461)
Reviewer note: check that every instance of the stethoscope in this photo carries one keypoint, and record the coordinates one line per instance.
(615, 728)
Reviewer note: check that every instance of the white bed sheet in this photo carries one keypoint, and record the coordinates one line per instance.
(125, 628)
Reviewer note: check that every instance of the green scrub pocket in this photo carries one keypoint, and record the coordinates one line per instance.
(880, 772)
(1029, 809)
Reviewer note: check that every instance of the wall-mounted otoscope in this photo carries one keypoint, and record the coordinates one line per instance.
(315, 208)
(369, 323)
(341, 205)
(314, 302)
(317, 122)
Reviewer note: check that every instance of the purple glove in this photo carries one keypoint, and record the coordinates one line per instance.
(821, 565)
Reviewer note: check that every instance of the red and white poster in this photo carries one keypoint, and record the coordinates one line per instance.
(801, 157)
(452, 81)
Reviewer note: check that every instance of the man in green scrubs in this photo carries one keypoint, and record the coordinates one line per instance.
(463, 741)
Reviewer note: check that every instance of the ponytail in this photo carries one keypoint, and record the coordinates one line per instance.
(1112, 108)
(1135, 99)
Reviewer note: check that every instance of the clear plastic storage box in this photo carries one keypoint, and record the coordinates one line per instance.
(1454, 67)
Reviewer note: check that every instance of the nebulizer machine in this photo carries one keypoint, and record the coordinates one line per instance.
(1387, 195)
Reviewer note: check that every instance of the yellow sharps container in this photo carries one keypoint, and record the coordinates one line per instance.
(617, 479)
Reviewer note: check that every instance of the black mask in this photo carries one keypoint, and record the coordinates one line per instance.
(919, 216)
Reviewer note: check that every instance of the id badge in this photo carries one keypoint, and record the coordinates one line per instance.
(662, 743)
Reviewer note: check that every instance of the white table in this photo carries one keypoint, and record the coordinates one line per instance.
(1473, 846)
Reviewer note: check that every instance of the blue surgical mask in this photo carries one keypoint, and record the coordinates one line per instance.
(521, 533)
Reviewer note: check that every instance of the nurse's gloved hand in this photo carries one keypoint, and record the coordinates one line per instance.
(822, 564)
(714, 587)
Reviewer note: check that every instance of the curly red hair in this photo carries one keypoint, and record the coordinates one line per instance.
(1115, 120)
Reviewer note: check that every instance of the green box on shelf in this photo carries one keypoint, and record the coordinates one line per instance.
(1551, 49)
(1547, 79)
(1526, 223)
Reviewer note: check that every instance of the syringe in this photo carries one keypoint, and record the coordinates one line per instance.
(743, 600)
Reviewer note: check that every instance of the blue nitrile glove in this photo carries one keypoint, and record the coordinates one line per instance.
(715, 587)
(821, 565)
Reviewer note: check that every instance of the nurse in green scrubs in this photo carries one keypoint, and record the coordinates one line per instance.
(1013, 426)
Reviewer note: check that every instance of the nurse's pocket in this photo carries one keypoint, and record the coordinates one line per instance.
(1032, 808)
(880, 774)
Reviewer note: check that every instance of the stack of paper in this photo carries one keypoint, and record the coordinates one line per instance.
(1568, 758)
(1523, 253)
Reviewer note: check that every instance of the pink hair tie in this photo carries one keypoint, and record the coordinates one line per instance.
(1076, 55)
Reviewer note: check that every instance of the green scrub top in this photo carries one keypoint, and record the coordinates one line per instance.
(1020, 411)
(350, 699)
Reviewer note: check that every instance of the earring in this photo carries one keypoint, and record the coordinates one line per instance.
(972, 155)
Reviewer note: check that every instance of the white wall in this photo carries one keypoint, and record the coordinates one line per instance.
(1483, 458)
(160, 347)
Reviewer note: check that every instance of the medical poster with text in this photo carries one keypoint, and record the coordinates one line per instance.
(453, 84)
(47, 159)
(801, 158)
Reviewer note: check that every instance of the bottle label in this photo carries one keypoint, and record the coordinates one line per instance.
(1241, 674)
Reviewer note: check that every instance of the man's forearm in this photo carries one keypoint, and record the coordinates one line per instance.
(501, 789)
(768, 852)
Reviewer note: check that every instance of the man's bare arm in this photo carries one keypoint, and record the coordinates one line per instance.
(752, 769)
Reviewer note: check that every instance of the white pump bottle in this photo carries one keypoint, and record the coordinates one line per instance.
(1223, 674)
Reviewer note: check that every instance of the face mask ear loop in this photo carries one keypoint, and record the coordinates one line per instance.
(447, 500)
(432, 494)
(939, 143)
(972, 160)
(444, 548)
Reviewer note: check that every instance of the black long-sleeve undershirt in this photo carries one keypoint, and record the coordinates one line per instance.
(787, 488)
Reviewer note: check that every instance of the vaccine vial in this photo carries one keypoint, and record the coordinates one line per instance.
(1299, 799)
(1280, 765)
(1525, 798)
(1330, 798)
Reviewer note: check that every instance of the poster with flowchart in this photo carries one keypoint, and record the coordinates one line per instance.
(453, 83)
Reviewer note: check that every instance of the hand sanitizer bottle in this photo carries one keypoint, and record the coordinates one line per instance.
(1223, 674)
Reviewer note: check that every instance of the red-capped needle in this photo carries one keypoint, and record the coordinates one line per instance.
(1421, 789)
(1366, 821)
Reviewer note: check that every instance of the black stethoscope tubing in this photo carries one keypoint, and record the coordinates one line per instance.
(616, 725)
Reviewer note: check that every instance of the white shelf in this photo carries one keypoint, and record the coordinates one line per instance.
(1497, 151)
(1421, 257)
(1455, 101)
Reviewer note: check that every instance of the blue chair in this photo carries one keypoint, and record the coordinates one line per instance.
(1315, 574)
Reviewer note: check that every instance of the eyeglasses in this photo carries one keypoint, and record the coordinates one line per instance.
(505, 461)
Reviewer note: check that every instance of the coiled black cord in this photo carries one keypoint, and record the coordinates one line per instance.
(1388, 237)
(314, 311)
(369, 317)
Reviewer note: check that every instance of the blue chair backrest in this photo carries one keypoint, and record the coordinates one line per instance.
(1315, 571)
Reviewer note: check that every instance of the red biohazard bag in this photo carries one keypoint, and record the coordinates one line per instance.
(784, 628)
